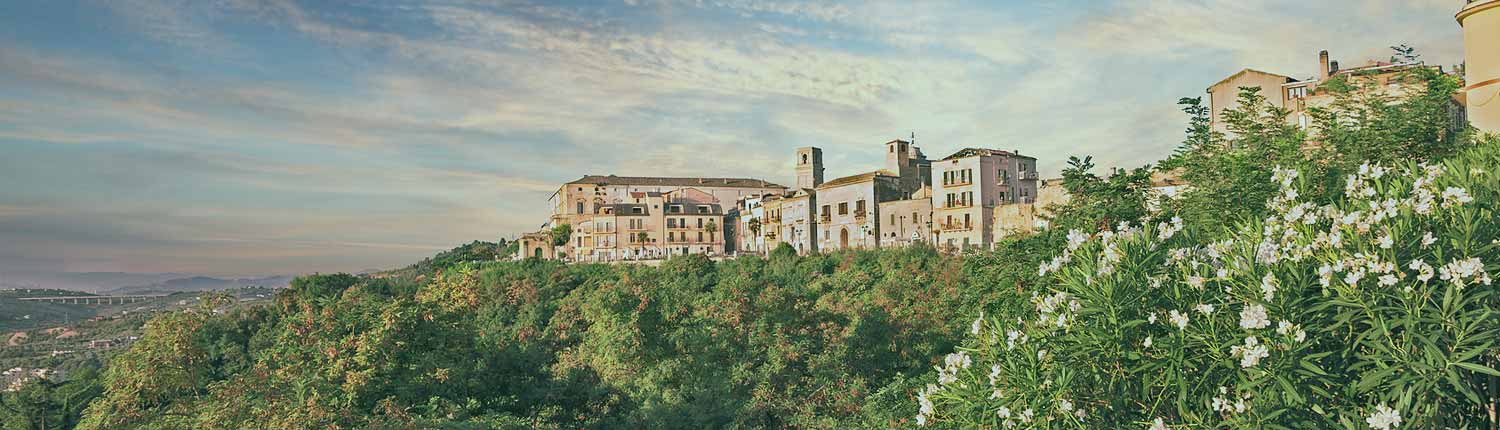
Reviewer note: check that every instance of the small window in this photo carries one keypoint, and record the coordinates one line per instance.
(843, 208)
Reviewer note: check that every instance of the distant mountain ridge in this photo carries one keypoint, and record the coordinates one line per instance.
(130, 283)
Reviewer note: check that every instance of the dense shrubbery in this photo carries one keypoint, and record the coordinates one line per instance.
(1374, 310)
(788, 341)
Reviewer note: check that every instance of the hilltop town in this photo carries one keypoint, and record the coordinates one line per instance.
(970, 199)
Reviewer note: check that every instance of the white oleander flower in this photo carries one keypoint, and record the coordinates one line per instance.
(1428, 240)
(1178, 318)
(1151, 318)
(1268, 287)
(1455, 195)
(1204, 308)
(1003, 413)
(1386, 241)
(1251, 352)
(978, 323)
(1147, 342)
(1254, 317)
(1384, 418)
(1065, 405)
(1157, 425)
(1388, 280)
(1195, 281)
(1076, 238)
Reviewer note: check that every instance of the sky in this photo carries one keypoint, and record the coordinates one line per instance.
(242, 138)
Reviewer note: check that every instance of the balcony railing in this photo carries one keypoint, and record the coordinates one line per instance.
(958, 183)
(957, 226)
(1028, 176)
(859, 215)
(825, 218)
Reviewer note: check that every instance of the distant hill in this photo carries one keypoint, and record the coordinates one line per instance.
(201, 283)
(80, 281)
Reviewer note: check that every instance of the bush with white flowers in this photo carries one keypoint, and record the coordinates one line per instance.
(1376, 310)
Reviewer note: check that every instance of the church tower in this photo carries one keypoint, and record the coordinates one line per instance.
(809, 167)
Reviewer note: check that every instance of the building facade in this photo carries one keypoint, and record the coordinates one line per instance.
(789, 219)
(1298, 97)
(907, 221)
(969, 185)
(1480, 20)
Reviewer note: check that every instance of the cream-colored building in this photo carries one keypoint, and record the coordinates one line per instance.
(848, 208)
(907, 221)
(1297, 97)
(652, 225)
(1481, 24)
(969, 185)
(585, 196)
(789, 219)
(627, 217)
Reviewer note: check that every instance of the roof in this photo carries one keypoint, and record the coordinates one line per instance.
(674, 182)
(1242, 72)
(977, 152)
(855, 179)
(689, 208)
(624, 209)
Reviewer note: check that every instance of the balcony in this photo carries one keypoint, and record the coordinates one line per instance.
(1029, 176)
(958, 183)
(957, 226)
(859, 216)
(958, 205)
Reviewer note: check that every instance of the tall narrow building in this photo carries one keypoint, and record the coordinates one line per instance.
(809, 167)
(1480, 20)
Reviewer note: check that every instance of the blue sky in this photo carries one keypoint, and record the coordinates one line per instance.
(239, 137)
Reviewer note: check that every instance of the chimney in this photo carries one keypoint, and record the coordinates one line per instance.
(1323, 66)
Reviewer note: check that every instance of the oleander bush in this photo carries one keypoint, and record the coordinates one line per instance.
(1372, 309)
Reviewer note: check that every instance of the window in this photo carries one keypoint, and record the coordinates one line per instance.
(1021, 167)
(826, 212)
(580, 207)
(893, 219)
(700, 223)
(1296, 93)
(966, 220)
(804, 158)
(843, 208)
(914, 219)
(859, 206)
(1003, 175)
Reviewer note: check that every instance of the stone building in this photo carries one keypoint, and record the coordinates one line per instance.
(907, 221)
(848, 208)
(967, 188)
(1297, 97)
(1480, 20)
(626, 218)
(789, 219)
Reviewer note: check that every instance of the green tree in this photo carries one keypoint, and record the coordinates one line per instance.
(561, 234)
(1096, 202)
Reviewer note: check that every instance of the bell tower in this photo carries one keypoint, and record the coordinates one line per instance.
(809, 167)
